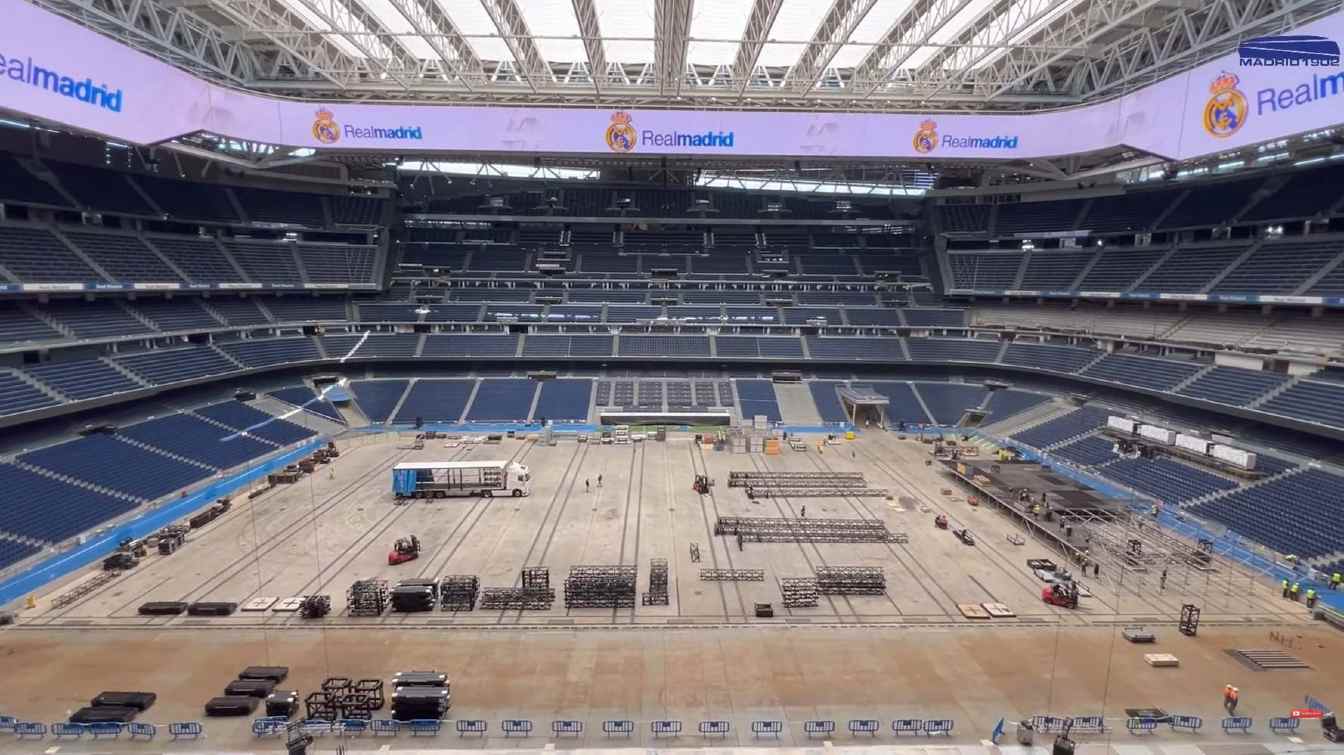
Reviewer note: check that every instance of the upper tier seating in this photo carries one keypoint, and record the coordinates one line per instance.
(1054, 271)
(306, 308)
(1310, 401)
(17, 326)
(265, 261)
(123, 257)
(1234, 386)
(1063, 428)
(256, 423)
(201, 260)
(932, 318)
(757, 397)
(337, 263)
(800, 315)
(985, 272)
(394, 346)
(266, 352)
(1191, 269)
(1300, 513)
(498, 346)
(435, 401)
(267, 206)
(176, 314)
(564, 400)
(82, 378)
(453, 313)
(33, 254)
(188, 200)
(1279, 268)
(113, 464)
(198, 440)
(857, 349)
(952, 350)
(99, 319)
(947, 402)
(47, 509)
(664, 346)
(377, 398)
(502, 400)
(1053, 357)
(1088, 451)
(1119, 267)
(1131, 212)
(1166, 480)
(965, 218)
(307, 399)
(18, 396)
(1006, 403)
(1211, 204)
(1158, 374)
(1303, 195)
(870, 316)
(1036, 217)
(17, 183)
(164, 366)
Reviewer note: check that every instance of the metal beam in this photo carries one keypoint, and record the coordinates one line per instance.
(671, 34)
(168, 31)
(831, 34)
(759, 23)
(586, 13)
(913, 30)
(359, 28)
(994, 28)
(300, 47)
(439, 32)
(1070, 36)
(508, 19)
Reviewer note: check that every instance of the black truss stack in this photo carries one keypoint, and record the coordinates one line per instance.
(536, 578)
(601, 587)
(754, 492)
(851, 580)
(516, 598)
(795, 479)
(791, 530)
(732, 575)
(657, 594)
(344, 698)
(457, 592)
(368, 597)
(412, 595)
(315, 606)
(799, 592)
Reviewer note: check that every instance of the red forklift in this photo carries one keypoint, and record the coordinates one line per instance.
(940, 521)
(1063, 594)
(405, 549)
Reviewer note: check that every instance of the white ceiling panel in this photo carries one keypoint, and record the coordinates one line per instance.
(869, 31)
(632, 22)
(556, 29)
(472, 21)
(723, 20)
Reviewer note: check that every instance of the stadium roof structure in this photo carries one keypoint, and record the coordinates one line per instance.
(853, 55)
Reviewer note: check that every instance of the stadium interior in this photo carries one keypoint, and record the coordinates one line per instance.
(213, 328)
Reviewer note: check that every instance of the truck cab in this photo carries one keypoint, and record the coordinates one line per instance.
(521, 477)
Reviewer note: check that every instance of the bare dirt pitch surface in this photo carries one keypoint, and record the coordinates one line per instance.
(907, 654)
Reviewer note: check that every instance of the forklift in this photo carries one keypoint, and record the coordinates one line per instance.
(405, 549)
(940, 521)
(1063, 594)
(702, 484)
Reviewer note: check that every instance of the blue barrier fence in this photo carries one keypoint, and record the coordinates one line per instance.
(622, 728)
(511, 726)
(561, 728)
(1284, 725)
(715, 728)
(767, 727)
(665, 728)
(818, 728)
(865, 726)
(62, 564)
(1240, 724)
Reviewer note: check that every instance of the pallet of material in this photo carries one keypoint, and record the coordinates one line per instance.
(998, 610)
(972, 611)
(275, 674)
(419, 679)
(1138, 635)
(137, 700)
(249, 688)
(288, 605)
(262, 603)
(211, 608)
(162, 608)
(231, 705)
(104, 715)
(1161, 660)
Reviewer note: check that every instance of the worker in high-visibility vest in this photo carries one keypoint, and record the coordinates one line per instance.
(1335, 580)
(1292, 593)
(1285, 588)
(1311, 598)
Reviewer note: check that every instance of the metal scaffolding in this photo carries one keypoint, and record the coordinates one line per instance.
(791, 530)
(657, 594)
(517, 599)
(732, 575)
(458, 592)
(799, 592)
(601, 586)
(794, 479)
(850, 580)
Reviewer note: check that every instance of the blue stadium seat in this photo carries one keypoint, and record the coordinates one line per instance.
(564, 400)
(1087, 451)
(435, 401)
(758, 397)
(1051, 357)
(164, 366)
(17, 395)
(377, 398)
(952, 350)
(306, 398)
(111, 463)
(1006, 403)
(267, 352)
(949, 401)
(827, 401)
(502, 400)
(255, 422)
(1310, 401)
(48, 509)
(198, 440)
(1232, 385)
(1063, 428)
(1158, 374)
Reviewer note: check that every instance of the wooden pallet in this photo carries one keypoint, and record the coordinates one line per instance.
(972, 611)
(1161, 660)
(1269, 660)
(998, 610)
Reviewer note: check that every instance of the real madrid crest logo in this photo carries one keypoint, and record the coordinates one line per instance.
(926, 137)
(621, 136)
(325, 128)
(1225, 113)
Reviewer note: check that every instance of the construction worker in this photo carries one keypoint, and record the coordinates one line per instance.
(1292, 593)
(1155, 511)
(803, 513)
(1163, 583)
(599, 481)
(1311, 597)
(588, 485)
(1335, 580)
(1285, 587)
(1230, 696)
(739, 541)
